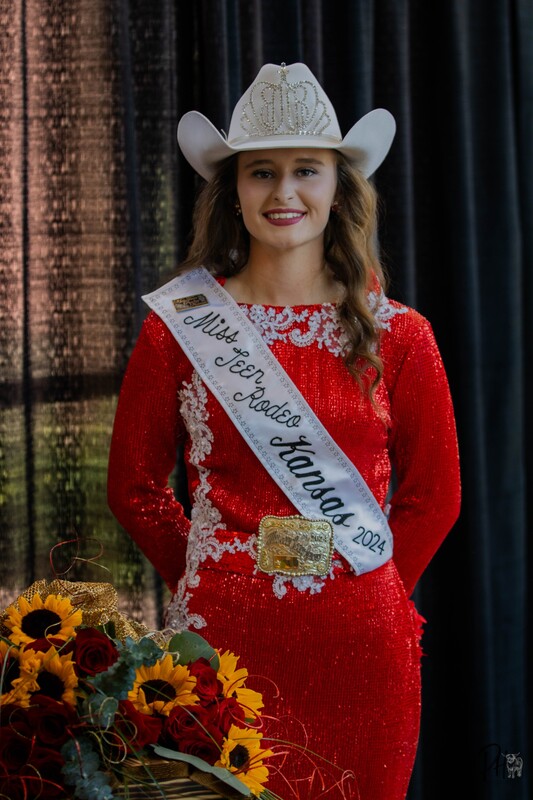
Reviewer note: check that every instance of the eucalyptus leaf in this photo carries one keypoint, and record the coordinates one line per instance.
(100, 709)
(219, 772)
(116, 681)
(190, 646)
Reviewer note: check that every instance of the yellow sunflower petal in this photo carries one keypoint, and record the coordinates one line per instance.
(32, 620)
(250, 700)
(16, 684)
(242, 755)
(57, 677)
(19, 695)
(25, 606)
(163, 686)
(228, 674)
(250, 737)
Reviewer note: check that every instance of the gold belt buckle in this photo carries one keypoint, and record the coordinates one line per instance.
(294, 546)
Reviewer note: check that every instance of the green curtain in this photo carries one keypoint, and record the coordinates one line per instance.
(95, 204)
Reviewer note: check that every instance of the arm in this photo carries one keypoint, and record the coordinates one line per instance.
(424, 452)
(146, 433)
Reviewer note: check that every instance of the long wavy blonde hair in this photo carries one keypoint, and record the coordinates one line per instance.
(220, 242)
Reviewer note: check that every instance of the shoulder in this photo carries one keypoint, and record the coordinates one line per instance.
(398, 321)
(154, 329)
(407, 336)
(156, 336)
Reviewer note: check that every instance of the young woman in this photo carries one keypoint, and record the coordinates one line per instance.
(301, 394)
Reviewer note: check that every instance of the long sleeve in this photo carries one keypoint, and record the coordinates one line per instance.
(146, 433)
(424, 452)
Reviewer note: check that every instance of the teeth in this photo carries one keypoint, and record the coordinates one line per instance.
(285, 215)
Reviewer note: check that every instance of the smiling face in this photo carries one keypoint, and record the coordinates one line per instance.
(286, 196)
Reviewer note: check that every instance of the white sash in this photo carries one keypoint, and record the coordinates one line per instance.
(272, 416)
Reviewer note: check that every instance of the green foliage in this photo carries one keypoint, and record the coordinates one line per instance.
(190, 646)
(81, 770)
(118, 680)
(219, 772)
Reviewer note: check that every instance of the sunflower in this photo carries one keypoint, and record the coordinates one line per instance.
(233, 680)
(29, 620)
(163, 686)
(56, 677)
(242, 755)
(16, 683)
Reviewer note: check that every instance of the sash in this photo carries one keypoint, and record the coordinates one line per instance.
(270, 413)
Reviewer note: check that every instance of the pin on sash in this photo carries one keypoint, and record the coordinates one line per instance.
(193, 301)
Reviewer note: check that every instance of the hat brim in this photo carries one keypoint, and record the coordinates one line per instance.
(366, 144)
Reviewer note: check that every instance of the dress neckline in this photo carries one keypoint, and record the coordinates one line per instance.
(221, 279)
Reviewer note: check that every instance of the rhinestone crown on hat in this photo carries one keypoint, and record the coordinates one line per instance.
(284, 108)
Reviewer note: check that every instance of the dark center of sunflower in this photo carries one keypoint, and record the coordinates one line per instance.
(41, 622)
(51, 685)
(238, 756)
(158, 690)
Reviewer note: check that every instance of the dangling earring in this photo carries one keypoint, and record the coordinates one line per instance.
(335, 207)
(238, 210)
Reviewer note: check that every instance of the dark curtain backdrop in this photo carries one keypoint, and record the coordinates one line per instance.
(95, 205)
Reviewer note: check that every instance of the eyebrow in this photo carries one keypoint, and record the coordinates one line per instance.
(263, 161)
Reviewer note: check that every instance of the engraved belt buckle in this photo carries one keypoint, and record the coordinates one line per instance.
(294, 546)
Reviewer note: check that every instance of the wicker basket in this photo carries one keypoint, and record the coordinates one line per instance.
(174, 779)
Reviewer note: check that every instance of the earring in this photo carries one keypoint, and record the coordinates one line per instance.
(335, 207)
(238, 210)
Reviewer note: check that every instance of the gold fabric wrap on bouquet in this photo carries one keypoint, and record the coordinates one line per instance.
(97, 601)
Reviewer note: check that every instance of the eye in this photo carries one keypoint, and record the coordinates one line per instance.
(305, 172)
(262, 174)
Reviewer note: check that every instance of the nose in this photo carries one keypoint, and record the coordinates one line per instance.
(284, 189)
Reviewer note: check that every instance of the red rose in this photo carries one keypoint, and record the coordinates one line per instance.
(93, 651)
(44, 644)
(40, 757)
(138, 729)
(51, 720)
(228, 712)
(201, 748)
(15, 787)
(207, 684)
(15, 748)
(190, 729)
(184, 719)
(15, 717)
(46, 775)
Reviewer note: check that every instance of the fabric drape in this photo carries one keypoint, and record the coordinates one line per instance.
(95, 204)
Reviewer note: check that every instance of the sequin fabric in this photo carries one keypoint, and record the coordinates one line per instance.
(338, 657)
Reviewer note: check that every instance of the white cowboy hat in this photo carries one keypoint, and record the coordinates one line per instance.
(285, 107)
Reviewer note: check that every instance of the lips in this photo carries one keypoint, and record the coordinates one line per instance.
(284, 216)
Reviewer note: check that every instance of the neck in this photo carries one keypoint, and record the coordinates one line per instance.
(284, 281)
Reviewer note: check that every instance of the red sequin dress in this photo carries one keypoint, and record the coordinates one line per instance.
(337, 658)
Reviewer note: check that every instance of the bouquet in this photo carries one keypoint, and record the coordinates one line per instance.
(93, 704)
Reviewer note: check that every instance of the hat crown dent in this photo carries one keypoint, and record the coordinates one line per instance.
(284, 101)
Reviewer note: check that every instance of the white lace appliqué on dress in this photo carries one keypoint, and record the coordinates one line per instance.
(303, 583)
(205, 517)
(382, 309)
(320, 325)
